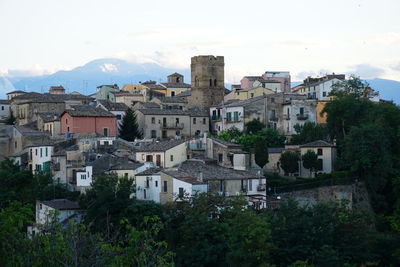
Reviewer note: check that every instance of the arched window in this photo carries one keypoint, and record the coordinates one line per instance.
(177, 80)
(215, 82)
(210, 82)
(196, 81)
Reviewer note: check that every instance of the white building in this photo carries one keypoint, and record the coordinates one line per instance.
(297, 112)
(40, 157)
(326, 153)
(84, 178)
(148, 185)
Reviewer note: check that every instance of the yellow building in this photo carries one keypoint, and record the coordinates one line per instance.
(244, 94)
(320, 106)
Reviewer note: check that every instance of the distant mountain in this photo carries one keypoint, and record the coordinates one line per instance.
(388, 89)
(86, 78)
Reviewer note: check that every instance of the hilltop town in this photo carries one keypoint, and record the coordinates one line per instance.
(261, 141)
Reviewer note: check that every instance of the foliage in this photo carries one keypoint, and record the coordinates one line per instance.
(310, 160)
(309, 132)
(254, 126)
(260, 151)
(353, 86)
(129, 129)
(230, 135)
(289, 161)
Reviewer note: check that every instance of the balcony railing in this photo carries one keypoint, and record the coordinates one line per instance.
(172, 126)
(233, 120)
(215, 118)
(302, 117)
(273, 118)
(286, 116)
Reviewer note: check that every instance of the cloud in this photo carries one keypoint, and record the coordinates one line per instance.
(367, 71)
(304, 74)
(34, 70)
(108, 68)
(396, 67)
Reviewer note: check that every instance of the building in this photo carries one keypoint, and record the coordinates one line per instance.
(243, 94)
(88, 119)
(175, 85)
(269, 80)
(56, 210)
(208, 79)
(326, 157)
(57, 90)
(148, 185)
(128, 169)
(127, 98)
(163, 154)
(227, 154)
(5, 109)
(84, 178)
(118, 109)
(172, 123)
(104, 92)
(49, 122)
(12, 94)
(281, 76)
(297, 112)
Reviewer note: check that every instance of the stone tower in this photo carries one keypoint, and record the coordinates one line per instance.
(208, 87)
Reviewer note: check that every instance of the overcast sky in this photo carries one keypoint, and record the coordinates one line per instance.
(301, 36)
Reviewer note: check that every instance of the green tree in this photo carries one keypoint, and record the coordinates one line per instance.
(310, 160)
(129, 129)
(260, 151)
(254, 126)
(289, 161)
(309, 132)
(230, 135)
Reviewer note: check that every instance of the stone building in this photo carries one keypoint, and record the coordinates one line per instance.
(207, 81)
(175, 85)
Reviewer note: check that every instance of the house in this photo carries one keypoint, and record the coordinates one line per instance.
(326, 157)
(267, 80)
(227, 154)
(163, 154)
(84, 178)
(104, 92)
(56, 210)
(88, 119)
(49, 122)
(281, 76)
(175, 85)
(129, 169)
(297, 112)
(243, 94)
(274, 155)
(178, 185)
(226, 181)
(148, 185)
(320, 87)
(40, 157)
(174, 103)
(5, 109)
(57, 90)
(127, 98)
(118, 109)
(171, 123)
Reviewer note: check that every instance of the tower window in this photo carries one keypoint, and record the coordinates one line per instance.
(215, 82)
(210, 82)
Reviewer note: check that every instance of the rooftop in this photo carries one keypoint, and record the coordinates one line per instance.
(161, 146)
(111, 106)
(190, 112)
(319, 143)
(61, 204)
(149, 171)
(127, 166)
(176, 85)
(88, 111)
(4, 102)
(225, 143)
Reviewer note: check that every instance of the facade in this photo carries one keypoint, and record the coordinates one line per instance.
(208, 79)
(326, 157)
(227, 154)
(49, 122)
(88, 119)
(127, 98)
(5, 109)
(281, 76)
(175, 85)
(148, 185)
(118, 109)
(13, 94)
(297, 112)
(57, 90)
(172, 123)
(163, 154)
(244, 94)
(40, 158)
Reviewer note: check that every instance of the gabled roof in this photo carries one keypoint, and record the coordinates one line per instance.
(319, 143)
(175, 74)
(16, 92)
(176, 85)
(87, 111)
(182, 176)
(184, 94)
(49, 117)
(61, 204)
(25, 131)
(111, 106)
(225, 143)
(174, 99)
(161, 146)
(150, 171)
(4, 102)
(127, 166)
(274, 150)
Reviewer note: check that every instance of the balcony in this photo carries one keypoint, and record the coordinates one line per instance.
(302, 117)
(273, 118)
(172, 126)
(215, 118)
(233, 120)
(286, 116)
(261, 188)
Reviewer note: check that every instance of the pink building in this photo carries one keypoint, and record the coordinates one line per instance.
(88, 119)
(281, 76)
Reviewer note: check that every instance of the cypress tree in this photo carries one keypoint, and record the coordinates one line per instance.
(129, 129)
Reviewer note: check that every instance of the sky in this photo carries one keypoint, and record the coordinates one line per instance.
(307, 37)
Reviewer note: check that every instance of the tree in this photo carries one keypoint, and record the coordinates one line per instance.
(310, 160)
(260, 151)
(289, 161)
(254, 126)
(230, 135)
(309, 132)
(129, 129)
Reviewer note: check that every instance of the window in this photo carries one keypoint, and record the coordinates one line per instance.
(15, 144)
(180, 192)
(144, 193)
(215, 82)
(164, 134)
(236, 116)
(177, 121)
(172, 157)
(41, 152)
(68, 129)
(172, 93)
(319, 152)
(147, 182)
(320, 165)
(301, 111)
(153, 120)
(66, 121)
(153, 134)
(156, 183)
(272, 100)
(40, 206)
(126, 175)
(228, 116)
(220, 157)
(119, 117)
(105, 131)
(204, 121)
(194, 120)
(221, 185)
(324, 94)
(2, 107)
(251, 95)
(210, 82)
(250, 184)
(83, 176)
(165, 189)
